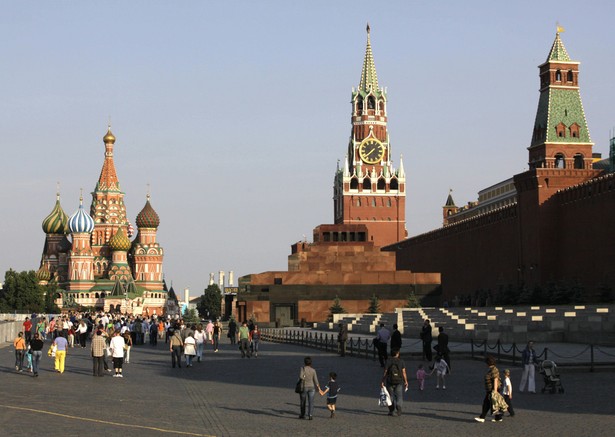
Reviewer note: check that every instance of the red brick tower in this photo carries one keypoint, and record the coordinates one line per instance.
(368, 190)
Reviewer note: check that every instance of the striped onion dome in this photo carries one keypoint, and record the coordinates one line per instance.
(148, 218)
(43, 273)
(81, 221)
(56, 222)
(120, 241)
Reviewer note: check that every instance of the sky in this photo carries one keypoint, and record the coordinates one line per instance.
(236, 113)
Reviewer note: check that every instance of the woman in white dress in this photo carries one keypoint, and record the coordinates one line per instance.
(189, 349)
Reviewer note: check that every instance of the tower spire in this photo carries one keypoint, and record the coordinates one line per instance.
(369, 79)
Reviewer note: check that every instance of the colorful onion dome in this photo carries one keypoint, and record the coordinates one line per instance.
(109, 138)
(120, 241)
(148, 218)
(81, 221)
(43, 274)
(56, 222)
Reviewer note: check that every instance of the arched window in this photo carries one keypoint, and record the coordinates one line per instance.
(367, 184)
(381, 184)
(579, 161)
(359, 106)
(569, 76)
(558, 76)
(560, 162)
(371, 102)
(394, 184)
(354, 184)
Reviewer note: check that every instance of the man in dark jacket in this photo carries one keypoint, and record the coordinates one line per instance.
(426, 338)
(443, 346)
(342, 337)
(395, 339)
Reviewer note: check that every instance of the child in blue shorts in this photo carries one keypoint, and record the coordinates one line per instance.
(331, 390)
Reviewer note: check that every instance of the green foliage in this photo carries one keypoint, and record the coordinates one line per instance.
(210, 304)
(50, 290)
(412, 301)
(190, 316)
(374, 304)
(21, 292)
(336, 308)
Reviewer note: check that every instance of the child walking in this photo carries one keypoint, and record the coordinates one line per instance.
(507, 392)
(420, 377)
(441, 368)
(331, 391)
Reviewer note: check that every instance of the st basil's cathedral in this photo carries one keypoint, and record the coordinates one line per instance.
(91, 258)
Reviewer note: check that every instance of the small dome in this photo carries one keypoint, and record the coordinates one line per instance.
(109, 137)
(43, 273)
(57, 221)
(81, 221)
(148, 218)
(120, 241)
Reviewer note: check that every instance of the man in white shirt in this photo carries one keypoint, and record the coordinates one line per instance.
(382, 339)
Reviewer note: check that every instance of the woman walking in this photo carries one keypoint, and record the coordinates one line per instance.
(189, 348)
(37, 352)
(117, 352)
(199, 337)
(492, 384)
(310, 384)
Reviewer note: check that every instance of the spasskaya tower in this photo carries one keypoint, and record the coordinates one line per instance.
(369, 190)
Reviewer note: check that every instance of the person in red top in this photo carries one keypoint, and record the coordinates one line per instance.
(27, 329)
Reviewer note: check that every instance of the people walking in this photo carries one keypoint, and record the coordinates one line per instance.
(20, 351)
(232, 330)
(442, 346)
(331, 390)
(217, 334)
(396, 381)
(243, 336)
(342, 338)
(127, 346)
(395, 339)
(117, 352)
(61, 345)
(36, 345)
(310, 384)
(175, 346)
(199, 337)
(507, 392)
(98, 353)
(492, 385)
(255, 339)
(189, 348)
(528, 360)
(381, 341)
(441, 369)
(426, 338)
(420, 377)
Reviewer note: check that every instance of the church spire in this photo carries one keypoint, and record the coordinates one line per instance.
(558, 51)
(369, 79)
(108, 180)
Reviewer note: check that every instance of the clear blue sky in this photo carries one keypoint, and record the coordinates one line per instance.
(237, 112)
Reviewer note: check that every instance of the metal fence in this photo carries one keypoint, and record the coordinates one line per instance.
(588, 355)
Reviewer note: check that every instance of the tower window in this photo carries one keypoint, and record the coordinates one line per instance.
(367, 184)
(560, 162)
(354, 184)
(569, 76)
(560, 130)
(381, 184)
(371, 103)
(558, 76)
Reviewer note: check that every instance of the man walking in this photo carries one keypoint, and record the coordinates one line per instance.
(395, 380)
(395, 339)
(243, 335)
(443, 349)
(427, 338)
(98, 353)
(342, 337)
(382, 339)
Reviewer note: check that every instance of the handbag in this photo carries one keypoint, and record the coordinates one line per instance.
(300, 386)
(384, 399)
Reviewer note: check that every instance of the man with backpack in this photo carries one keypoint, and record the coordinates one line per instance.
(396, 382)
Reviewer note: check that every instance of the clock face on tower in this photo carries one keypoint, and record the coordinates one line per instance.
(371, 151)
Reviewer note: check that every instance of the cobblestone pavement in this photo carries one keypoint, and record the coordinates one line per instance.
(226, 395)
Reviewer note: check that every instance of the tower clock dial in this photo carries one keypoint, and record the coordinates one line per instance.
(371, 151)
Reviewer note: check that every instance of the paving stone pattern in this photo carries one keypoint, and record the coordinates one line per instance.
(226, 395)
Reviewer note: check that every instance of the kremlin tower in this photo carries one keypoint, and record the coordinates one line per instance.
(90, 255)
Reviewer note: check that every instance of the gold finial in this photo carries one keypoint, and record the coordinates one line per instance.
(80, 196)
(368, 28)
(148, 189)
(58, 190)
(559, 29)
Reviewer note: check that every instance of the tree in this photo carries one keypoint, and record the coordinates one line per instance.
(210, 303)
(336, 308)
(412, 301)
(51, 290)
(374, 304)
(190, 315)
(21, 292)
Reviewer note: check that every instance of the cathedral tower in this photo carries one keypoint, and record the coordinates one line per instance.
(80, 261)
(147, 253)
(368, 190)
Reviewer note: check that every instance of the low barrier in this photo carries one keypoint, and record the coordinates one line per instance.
(356, 347)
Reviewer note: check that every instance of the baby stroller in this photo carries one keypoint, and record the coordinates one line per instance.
(552, 380)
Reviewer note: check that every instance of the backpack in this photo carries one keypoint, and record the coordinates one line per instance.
(394, 372)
